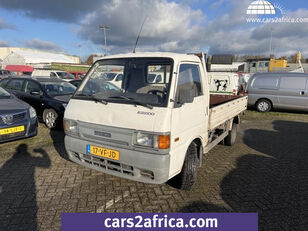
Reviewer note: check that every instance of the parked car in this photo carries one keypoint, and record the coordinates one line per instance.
(79, 75)
(287, 91)
(75, 82)
(5, 73)
(17, 118)
(53, 74)
(226, 83)
(113, 77)
(49, 97)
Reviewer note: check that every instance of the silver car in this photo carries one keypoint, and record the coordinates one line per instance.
(286, 91)
(17, 118)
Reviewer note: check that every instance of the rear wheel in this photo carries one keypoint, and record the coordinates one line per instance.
(264, 105)
(50, 117)
(186, 178)
(231, 138)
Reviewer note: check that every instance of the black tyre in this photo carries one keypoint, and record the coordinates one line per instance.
(186, 178)
(231, 138)
(50, 118)
(264, 105)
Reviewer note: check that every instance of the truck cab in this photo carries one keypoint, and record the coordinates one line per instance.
(147, 131)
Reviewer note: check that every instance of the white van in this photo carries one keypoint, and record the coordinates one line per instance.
(53, 74)
(225, 83)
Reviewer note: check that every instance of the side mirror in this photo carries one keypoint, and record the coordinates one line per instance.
(186, 95)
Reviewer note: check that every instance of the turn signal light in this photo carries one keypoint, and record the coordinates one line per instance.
(163, 141)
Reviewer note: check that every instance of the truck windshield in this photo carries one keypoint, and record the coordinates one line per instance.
(137, 86)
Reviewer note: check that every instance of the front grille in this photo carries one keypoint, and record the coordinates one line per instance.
(106, 164)
(106, 140)
(16, 118)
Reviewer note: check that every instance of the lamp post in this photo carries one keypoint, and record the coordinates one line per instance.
(104, 27)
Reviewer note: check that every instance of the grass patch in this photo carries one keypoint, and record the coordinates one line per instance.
(255, 115)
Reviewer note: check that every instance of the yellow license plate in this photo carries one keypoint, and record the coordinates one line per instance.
(7, 131)
(103, 152)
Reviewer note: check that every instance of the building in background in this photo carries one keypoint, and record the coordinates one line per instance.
(34, 58)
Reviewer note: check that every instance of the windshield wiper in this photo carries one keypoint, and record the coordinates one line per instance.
(100, 100)
(120, 97)
(132, 100)
(93, 97)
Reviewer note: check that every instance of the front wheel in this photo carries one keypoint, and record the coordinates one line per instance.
(186, 178)
(50, 117)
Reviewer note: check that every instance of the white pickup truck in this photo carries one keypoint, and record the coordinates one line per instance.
(149, 132)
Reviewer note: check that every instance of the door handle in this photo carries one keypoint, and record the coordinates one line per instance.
(302, 93)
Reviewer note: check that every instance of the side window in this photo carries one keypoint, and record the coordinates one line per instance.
(32, 86)
(266, 82)
(52, 75)
(295, 83)
(15, 84)
(158, 79)
(189, 76)
(119, 77)
(4, 82)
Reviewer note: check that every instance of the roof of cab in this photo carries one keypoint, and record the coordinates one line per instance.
(175, 56)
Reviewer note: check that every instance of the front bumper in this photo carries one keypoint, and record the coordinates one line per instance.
(30, 131)
(133, 165)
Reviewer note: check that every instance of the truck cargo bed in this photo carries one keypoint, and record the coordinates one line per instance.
(216, 100)
(224, 108)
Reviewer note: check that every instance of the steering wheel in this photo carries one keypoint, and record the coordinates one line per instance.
(154, 92)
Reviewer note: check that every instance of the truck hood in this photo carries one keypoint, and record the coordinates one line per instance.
(120, 115)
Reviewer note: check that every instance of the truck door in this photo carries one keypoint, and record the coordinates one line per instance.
(293, 93)
(189, 120)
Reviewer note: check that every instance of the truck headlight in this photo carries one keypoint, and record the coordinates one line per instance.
(64, 105)
(32, 113)
(152, 140)
(70, 127)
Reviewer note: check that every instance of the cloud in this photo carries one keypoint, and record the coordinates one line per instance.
(43, 45)
(59, 10)
(167, 23)
(4, 43)
(170, 26)
(5, 25)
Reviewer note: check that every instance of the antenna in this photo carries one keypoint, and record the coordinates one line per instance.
(134, 51)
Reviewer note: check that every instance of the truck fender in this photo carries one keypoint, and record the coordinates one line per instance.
(199, 143)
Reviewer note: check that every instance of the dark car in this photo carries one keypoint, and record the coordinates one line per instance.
(48, 96)
(17, 118)
(76, 83)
